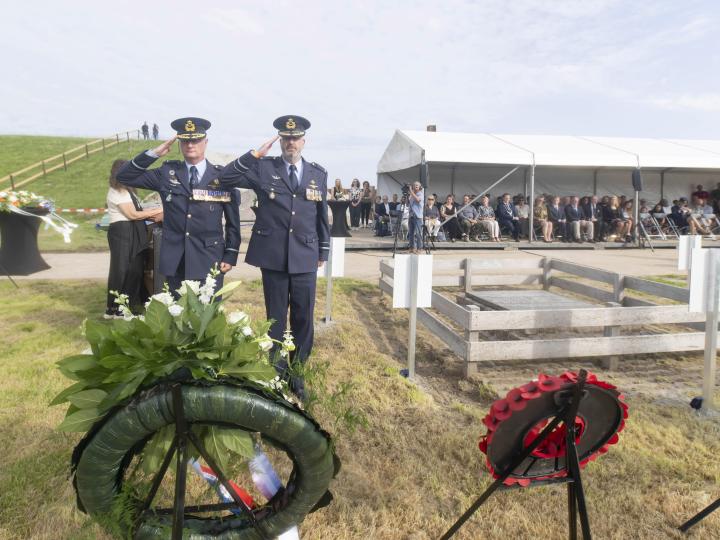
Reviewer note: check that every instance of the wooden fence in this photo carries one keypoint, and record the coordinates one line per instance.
(459, 324)
(53, 163)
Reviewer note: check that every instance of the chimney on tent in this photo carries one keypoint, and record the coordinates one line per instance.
(432, 127)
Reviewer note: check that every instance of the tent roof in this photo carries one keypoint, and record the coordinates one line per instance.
(406, 149)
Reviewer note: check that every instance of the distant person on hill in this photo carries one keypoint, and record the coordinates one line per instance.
(194, 239)
(145, 130)
(156, 131)
(127, 238)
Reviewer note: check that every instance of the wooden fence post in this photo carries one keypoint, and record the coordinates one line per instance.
(103, 143)
(43, 168)
(64, 162)
(117, 137)
(468, 274)
(12, 182)
(87, 151)
(547, 272)
(611, 362)
(471, 368)
(618, 288)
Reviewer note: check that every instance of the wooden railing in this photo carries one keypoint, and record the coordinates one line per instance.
(62, 160)
(462, 324)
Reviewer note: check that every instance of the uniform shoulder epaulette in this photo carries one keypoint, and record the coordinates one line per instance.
(218, 167)
(268, 157)
(318, 166)
(173, 162)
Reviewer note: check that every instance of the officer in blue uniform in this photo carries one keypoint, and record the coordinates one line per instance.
(193, 206)
(291, 237)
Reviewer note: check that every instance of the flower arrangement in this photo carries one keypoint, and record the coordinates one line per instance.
(189, 333)
(22, 199)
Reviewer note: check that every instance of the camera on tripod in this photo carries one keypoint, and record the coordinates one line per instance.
(405, 193)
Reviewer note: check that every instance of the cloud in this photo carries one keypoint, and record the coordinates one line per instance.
(700, 102)
(235, 19)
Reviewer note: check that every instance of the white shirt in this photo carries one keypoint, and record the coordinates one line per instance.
(116, 197)
(298, 166)
(201, 168)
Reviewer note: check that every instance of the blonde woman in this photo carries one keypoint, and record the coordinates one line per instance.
(540, 213)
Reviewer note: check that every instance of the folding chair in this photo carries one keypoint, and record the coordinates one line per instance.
(677, 230)
(701, 223)
(662, 222)
(650, 227)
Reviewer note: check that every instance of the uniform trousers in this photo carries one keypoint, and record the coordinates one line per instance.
(174, 282)
(297, 292)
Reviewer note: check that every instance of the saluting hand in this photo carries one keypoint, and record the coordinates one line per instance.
(165, 147)
(265, 148)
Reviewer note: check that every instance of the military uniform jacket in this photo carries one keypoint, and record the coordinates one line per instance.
(291, 232)
(192, 228)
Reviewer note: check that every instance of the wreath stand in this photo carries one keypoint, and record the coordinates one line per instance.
(702, 514)
(183, 436)
(568, 402)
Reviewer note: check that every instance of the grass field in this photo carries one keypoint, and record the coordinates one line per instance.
(86, 237)
(19, 151)
(415, 468)
(84, 184)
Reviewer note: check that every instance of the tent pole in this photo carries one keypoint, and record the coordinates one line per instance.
(662, 185)
(595, 182)
(531, 217)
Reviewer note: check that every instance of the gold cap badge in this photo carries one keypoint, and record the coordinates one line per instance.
(290, 124)
(189, 126)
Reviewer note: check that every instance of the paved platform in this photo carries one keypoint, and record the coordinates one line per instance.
(511, 300)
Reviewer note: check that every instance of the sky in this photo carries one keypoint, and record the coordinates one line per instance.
(360, 70)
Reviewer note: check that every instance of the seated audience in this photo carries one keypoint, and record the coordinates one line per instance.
(614, 223)
(507, 217)
(382, 216)
(576, 222)
(486, 219)
(592, 212)
(468, 217)
(450, 223)
(540, 212)
(522, 209)
(556, 215)
(680, 213)
(431, 217)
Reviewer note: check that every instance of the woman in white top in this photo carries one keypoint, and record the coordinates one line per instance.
(127, 238)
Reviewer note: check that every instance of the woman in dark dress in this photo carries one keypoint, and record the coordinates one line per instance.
(452, 227)
(366, 201)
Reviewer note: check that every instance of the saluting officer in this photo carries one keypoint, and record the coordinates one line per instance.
(193, 206)
(291, 237)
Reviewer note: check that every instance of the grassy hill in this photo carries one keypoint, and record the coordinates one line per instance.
(84, 184)
(19, 151)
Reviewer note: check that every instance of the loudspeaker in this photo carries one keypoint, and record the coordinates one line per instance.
(637, 180)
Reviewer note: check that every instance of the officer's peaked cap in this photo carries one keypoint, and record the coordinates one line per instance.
(291, 125)
(190, 127)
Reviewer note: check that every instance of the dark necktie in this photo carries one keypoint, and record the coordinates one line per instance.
(293, 178)
(193, 177)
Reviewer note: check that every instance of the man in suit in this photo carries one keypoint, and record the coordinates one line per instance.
(576, 221)
(556, 214)
(291, 236)
(592, 212)
(394, 203)
(193, 206)
(507, 216)
(382, 216)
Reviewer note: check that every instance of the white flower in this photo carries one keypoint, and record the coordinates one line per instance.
(164, 297)
(236, 316)
(175, 310)
(120, 299)
(288, 343)
(205, 298)
(265, 343)
(194, 286)
(247, 331)
(126, 313)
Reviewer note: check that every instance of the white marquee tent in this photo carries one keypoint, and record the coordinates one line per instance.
(471, 162)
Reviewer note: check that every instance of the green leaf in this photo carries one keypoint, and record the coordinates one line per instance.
(117, 361)
(208, 355)
(62, 397)
(236, 440)
(128, 346)
(78, 362)
(255, 371)
(245, 351)
(81, 420)
(217, 326)
(155, 450)
(88, 399)
(209, 312)
(96, 331)
(215, 447)
(157, 317)
(132, 386)
(228, 288)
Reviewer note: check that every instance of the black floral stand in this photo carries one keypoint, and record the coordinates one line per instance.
(339, 226)
(19, 254)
